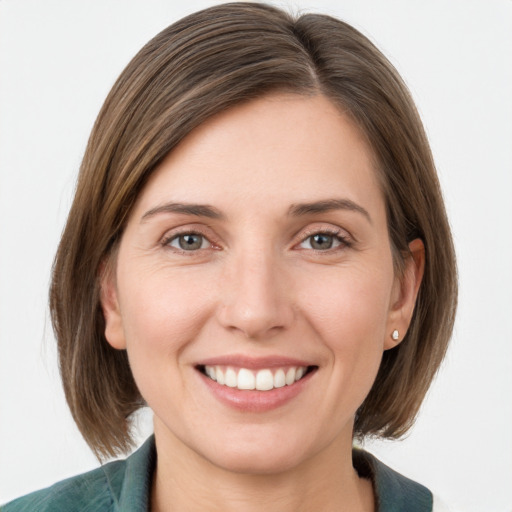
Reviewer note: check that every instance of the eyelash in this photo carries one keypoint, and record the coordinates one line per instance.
(344, 241)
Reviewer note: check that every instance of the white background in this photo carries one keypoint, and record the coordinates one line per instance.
(59, 58)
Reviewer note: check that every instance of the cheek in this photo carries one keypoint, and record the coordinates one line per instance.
(350, 315)
(348, 305)
(163, 311)
(347, 313)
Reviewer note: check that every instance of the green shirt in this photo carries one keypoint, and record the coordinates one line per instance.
(125, 486)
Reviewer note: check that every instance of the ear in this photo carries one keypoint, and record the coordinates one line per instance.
(404, 294)
(114, 331)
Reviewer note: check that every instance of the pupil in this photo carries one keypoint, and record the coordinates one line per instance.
(189, 242)
(322, 241)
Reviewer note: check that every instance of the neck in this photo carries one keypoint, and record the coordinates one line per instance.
(186, 481)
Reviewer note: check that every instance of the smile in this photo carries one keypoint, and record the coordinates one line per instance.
(264, 379)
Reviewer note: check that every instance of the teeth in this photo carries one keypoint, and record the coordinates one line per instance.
(219, 376)
(290, 376)
(262, 380)
(246, 379)
(279, 379)
(230, 378)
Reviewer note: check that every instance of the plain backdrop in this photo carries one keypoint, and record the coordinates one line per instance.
(59, 58)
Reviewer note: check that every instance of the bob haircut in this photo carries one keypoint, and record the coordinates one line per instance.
(198, 67)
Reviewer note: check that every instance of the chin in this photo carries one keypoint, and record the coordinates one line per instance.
(259, 453)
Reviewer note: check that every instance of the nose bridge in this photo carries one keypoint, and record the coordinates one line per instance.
(255, 301)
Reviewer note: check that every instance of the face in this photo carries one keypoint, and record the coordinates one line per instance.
(254, 288)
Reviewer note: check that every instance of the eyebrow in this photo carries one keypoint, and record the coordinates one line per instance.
(297, 210)
(198, 210)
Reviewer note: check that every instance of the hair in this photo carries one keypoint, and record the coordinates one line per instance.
(200, 66)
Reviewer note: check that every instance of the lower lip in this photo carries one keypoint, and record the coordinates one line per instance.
(254, 400)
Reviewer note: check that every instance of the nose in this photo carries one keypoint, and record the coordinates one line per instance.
(255, 298)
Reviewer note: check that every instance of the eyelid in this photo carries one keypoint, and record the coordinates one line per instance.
(327, 229)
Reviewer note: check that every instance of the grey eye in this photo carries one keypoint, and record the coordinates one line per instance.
(189, 242)
(321, 242)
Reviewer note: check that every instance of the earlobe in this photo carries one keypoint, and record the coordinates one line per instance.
(114, 332)
(405, 294)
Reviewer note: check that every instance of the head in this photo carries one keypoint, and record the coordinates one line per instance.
(203, 66)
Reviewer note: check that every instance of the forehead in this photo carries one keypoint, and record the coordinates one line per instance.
(279, 149)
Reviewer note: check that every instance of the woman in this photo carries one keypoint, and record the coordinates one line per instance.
(259, 251)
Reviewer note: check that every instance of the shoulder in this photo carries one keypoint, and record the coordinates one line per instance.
(87, 492)
(394, 492)
(119, 485)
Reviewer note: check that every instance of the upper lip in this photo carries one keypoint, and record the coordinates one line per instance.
(253, 363)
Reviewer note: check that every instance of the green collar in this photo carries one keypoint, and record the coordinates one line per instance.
(125, 486)
(394, 492)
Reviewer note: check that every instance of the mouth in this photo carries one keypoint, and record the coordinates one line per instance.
(263, 379)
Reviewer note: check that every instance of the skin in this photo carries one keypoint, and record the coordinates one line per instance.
(257, 287)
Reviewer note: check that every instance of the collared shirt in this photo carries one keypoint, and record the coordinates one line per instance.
(125, 486)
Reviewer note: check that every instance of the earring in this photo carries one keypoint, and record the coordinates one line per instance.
(395, 334)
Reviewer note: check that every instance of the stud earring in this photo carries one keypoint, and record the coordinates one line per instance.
(395, 334)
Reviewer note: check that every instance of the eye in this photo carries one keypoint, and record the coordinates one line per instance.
(188, 242)
(323, 241)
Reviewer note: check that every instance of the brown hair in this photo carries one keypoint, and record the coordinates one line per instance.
(204, 64)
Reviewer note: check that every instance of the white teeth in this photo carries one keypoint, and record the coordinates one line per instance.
(230, 378)
(290, 376)
(262, 380)
(246, 379)
(219, 376)
(279, 379)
